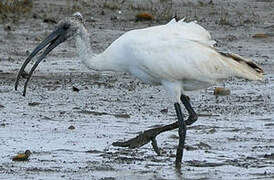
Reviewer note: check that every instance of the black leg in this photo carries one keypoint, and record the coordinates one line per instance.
(150, 135)
(182, 135)
(155, 146)
(192, 114)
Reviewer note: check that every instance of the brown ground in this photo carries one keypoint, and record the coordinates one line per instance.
(237, 141)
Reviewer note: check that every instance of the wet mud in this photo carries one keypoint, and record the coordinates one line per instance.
(71, 116)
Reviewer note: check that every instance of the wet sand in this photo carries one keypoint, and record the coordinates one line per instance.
(235, 141)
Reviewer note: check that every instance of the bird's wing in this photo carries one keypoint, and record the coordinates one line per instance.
(176, 60)
(182, 59)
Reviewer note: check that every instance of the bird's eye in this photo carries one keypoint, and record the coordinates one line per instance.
(66, 26)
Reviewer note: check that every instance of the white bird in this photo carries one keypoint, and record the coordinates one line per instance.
(179, 56)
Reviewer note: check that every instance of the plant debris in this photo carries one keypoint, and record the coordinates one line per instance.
(22, 157)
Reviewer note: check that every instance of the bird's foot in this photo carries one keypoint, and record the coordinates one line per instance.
(150, 136)
(191, 119)
(140, 141)
(147, 136)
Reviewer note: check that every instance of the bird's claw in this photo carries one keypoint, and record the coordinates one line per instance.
(146, 137)
(142, 139)
(155, 146)
(191, 119)
(138, 141)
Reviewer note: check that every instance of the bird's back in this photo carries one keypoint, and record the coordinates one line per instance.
(172, 30)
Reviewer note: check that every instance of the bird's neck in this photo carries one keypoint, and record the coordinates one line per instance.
(100, 62)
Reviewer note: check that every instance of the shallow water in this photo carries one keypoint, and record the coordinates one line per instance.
(235, 141)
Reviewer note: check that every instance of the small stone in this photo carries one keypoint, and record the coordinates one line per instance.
(92, 19)
(27, 52)
(212, 131)
(50, 20)
(37, 39)
(125, 116)
(113, 18)
(34, 16)
(269, 156)
(7, 28)
(143, 17)
(2, 124)
(259, 35)
(218, 91)
(202, 145)
(22, 157)
(71, 127)
(75, 89)
(164, 111)
(34, 103)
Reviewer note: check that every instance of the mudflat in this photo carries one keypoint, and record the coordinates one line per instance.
(71, 116)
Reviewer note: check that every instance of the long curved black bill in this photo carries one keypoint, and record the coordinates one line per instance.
(54, 39)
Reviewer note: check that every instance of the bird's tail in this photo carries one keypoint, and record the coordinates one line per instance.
(244, 67)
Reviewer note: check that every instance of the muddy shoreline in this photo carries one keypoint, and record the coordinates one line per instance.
(236, 141)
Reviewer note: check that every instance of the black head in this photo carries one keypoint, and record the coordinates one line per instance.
(66, 29)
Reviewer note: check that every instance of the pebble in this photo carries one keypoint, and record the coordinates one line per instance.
(22, 157)
(218, 91)
(71, 127)
(260, 35)
(143, 17)
(75, 89)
